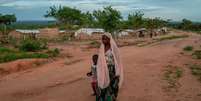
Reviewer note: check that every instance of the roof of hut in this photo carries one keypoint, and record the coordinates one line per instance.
(28, 31)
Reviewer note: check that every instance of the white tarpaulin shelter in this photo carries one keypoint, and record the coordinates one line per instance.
(89, 31)
(28, 31)
(125, 32)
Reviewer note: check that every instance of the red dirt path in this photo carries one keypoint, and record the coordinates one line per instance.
(143, 67)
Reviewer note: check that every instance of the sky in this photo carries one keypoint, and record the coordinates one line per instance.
(166, 9)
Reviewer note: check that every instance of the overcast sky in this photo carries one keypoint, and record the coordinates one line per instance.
(168, 9)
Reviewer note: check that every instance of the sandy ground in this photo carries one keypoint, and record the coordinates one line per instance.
(65, 80)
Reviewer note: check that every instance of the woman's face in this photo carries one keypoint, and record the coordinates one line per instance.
(105, 40)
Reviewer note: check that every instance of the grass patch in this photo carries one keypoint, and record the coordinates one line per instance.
(162, 38)
(21, 55)
(5, 50)
(171, 75)
(188, 48)
(197, 54)
(172, 37)
(196, 71)
(11, 55)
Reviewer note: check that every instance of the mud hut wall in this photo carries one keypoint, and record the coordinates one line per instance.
(16, 34)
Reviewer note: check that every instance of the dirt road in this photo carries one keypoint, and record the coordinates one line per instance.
(143, 68)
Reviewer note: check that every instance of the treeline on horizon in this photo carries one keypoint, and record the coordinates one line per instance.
(109, 19)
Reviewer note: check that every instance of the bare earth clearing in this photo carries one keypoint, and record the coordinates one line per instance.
(65, 79)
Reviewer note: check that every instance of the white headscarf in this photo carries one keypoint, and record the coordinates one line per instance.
(102, 69)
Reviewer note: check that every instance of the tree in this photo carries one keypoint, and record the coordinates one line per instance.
(136, 20)
(154, 23)
(124, 25)
(65, 15)
(88, 20)
(6, 20)
(108, 18)
(186, 24)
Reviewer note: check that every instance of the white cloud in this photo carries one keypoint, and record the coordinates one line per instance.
(173, 8)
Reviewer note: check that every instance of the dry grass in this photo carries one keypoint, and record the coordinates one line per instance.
(196, 71)
(171, 37)
(171, 75)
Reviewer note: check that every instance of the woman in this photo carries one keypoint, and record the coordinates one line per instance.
(109, 69)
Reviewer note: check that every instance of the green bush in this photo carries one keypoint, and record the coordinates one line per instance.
(196, 70)
(54, 53)
(188, 48)
(197, 54)
(32, 45)
(65, 38)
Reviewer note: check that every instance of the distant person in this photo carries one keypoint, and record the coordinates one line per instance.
(93, 74)
(109, 69)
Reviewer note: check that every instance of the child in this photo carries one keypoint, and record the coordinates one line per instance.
(93, 73)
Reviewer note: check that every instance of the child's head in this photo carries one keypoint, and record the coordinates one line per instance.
(95, 59)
